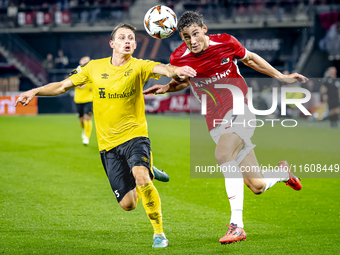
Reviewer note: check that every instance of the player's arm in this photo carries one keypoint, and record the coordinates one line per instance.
(259, 64)
(51, 89)
(174, 71)
(174, 85)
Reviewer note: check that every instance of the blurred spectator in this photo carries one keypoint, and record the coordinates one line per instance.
(22, 6)
(255, 85)
(311, 86)
(61, 61)
(116, 13)
(73, 3)
(332, 85)
(12, 12)
(331, 42)
(45, 5)
(179, 8)
(4, 3)
(48, 63)
(66, 4)
(90, 13)
(319, 110)
(84, 15)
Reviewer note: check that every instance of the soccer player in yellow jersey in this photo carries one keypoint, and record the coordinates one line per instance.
(83, 100)
(118, 106)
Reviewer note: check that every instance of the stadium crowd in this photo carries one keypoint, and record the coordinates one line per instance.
(41, 12)
(29, 12)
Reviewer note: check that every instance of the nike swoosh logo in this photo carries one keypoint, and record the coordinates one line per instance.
(231, 197)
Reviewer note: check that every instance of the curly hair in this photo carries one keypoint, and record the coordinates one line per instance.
(188, 18)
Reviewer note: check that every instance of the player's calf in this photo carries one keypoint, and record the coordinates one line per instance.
(256, 185)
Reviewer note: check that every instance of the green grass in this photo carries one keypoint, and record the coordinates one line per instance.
(55, 197)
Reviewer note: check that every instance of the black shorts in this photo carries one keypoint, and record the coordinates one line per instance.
(85, 108)
(334, 103)
(119, 161)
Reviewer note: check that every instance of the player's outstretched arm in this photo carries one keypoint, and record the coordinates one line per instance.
(259, 64)
(51, 89)
(174, 71)
(172, 86)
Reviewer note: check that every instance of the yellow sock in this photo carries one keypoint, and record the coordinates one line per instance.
(88, 128)
(152, 206)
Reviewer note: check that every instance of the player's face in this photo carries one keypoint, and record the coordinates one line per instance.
(194, 37)
(124, 42)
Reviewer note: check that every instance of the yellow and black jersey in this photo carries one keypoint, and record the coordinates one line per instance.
(118, 102)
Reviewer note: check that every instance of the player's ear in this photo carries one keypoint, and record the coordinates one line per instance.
(135, 45)
(111, 44)
(205, 29)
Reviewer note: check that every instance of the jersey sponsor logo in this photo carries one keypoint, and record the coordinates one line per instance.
(145, 159)
(122, 95)
(105, 76)
(127, 73)
(102, 93)
(225, 61)
(79, 69)
(217, 77)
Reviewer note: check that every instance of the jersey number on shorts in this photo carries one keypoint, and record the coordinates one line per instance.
(116, 193)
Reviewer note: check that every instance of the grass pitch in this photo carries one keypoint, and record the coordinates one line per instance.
(55, 197)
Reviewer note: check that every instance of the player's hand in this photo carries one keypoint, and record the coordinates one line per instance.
(156, 89)
(185, 72)
(25, 98)
(294, 77)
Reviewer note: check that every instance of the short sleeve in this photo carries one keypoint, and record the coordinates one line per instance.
(172, 59)
(80, 75)
(239, 51)
(147, 70)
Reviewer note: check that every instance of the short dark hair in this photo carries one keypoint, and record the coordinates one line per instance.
(188, 18)
(121, 25)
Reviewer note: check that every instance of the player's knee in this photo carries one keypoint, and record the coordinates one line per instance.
(128, 207)
(87, 117)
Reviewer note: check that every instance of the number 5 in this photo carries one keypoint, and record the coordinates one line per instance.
(116, 193)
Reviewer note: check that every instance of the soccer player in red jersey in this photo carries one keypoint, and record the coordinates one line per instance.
(214, 57)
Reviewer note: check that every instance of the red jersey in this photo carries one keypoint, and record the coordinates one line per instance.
(215, 65)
